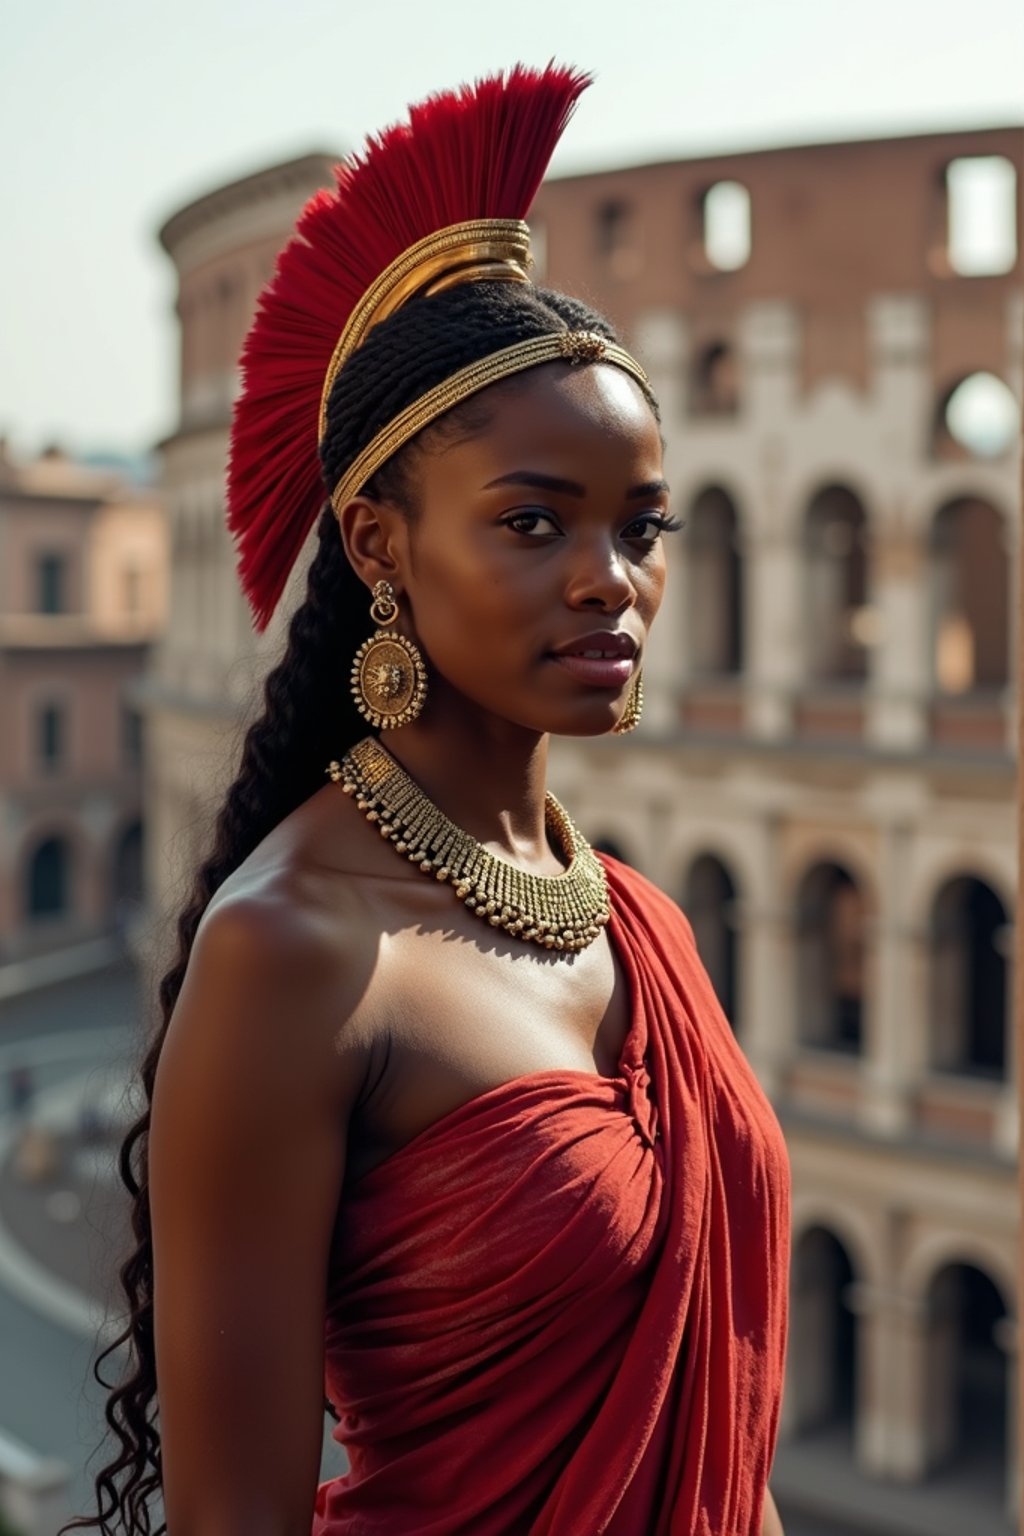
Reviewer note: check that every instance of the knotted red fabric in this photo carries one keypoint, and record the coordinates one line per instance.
(562, 1309)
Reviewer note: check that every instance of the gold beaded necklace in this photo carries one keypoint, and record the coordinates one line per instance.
(564, 911)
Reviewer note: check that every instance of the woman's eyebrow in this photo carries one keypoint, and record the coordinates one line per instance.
(649, 488)
(541, 482)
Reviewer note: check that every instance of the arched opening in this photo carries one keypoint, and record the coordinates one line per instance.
(978, 418)
(725, 218)
(981, 195)
(822, 1369)
(839, 627)
(48, 879)
(969, 948)
(970, 600)
(830, 959)
(714, 388)
(967, 1380)
(617, 238)
(126, 883)
(715, 597)
(709, 901)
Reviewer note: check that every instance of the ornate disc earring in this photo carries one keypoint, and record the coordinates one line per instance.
(389, 679)
(634, 707)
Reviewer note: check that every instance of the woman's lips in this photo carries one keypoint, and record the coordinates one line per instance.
(601, 672)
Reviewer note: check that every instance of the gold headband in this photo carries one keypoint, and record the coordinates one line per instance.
(495, 249)
(566, 346)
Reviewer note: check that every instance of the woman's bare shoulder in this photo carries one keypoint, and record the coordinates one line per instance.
(288, 945)
(308, 884)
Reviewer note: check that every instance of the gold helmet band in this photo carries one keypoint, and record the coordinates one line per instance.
(557, 346)
(476, 250)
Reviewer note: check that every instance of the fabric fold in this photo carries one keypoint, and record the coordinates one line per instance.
(562, 1309)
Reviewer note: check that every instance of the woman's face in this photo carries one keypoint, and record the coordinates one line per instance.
(537, 541)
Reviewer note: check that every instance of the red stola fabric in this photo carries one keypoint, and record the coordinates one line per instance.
(562, 1309)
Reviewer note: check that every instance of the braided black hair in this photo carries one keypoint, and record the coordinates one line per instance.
(307, 719)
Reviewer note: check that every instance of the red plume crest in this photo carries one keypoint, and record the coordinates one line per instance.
(477, 152)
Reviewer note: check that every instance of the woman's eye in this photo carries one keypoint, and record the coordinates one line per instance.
(537, 522)
(651, 526)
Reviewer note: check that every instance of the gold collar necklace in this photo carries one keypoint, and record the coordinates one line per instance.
(564, 911)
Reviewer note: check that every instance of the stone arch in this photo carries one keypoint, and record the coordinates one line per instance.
(935, 1250)
(714, 383)
(711, 905)
(808, 487)
(126, 867)
(979, 483)
(77, 851)
(853, 1229)
(836, 579)
(822, 1375)
(715, 606)
(951, 864)
(966, 1382)
(47, 891)
(837, 846)
(968, 964)
(831, 958)
(969, 596)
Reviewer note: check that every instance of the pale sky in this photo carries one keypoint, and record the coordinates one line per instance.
(115, 112)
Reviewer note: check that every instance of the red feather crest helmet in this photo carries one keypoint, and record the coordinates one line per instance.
(478, 152)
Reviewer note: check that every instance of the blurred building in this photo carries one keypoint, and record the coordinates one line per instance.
(824, 777)
(83, 566)
(209, 663)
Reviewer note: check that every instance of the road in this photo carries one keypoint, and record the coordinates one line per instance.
(80, 1040)
(48, 1399)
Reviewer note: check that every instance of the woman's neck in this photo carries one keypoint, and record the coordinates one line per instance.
(488, 776)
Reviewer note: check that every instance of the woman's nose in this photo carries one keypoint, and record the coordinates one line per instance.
(599, 576)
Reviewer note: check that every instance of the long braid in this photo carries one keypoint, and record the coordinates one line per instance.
(308, 718)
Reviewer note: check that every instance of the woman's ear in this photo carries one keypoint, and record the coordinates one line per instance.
(373, 535)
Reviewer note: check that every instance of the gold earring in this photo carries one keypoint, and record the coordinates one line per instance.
(389, 680)
(634, 707)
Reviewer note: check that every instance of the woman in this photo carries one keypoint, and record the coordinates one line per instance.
(445, 1112)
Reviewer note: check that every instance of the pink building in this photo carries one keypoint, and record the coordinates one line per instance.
(83, 578)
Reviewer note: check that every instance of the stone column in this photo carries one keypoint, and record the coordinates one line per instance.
(899, 682)
(1007, 1336)
(878, 1319)
(1006, 1131)
(1016, 323)
(890, 1048)
(901, 1345)
(1011, 529)
(661, 341)
(773, 575)
(906, 1363)
(768, 1030)
(1011, 548)
(769, 344)
(899, 340)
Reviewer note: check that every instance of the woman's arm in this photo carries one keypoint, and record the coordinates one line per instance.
(247, 1147)
(771, 1524)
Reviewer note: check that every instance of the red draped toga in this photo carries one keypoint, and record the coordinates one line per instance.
(562, 1309)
